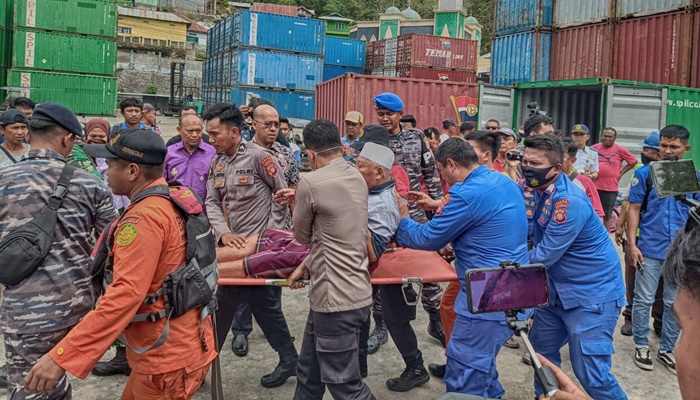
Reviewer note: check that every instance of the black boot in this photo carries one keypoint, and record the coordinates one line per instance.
(286, 368)
(378, 337)
(437, 370)
(117, 365)
(435, 327)
(3, 376)
(410, 378)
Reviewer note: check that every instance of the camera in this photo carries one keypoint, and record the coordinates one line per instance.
(535, 109)
(514, 156)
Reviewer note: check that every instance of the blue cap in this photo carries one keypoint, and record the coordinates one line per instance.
(388, 101)
(59, 115)
(580, 128)
(652, 141)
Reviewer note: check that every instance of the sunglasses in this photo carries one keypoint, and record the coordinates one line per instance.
(269, 124)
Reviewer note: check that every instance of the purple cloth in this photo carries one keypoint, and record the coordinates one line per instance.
(192, 170)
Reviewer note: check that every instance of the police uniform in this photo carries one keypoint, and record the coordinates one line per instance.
(247, 181)
(37, 313)
(585, 284)
(475, 214)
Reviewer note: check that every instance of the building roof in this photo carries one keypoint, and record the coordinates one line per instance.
(306, 10)
(392, 10)
(411, 13)
(335, 17)
(194, 26)
(148, 14)
(471, 20)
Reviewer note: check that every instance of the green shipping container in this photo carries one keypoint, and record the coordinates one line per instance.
(63, 52)
(87, 17)
(684, 109)
(83, 94)
(5, 48)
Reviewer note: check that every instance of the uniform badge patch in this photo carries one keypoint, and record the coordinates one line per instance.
(218, 183)
(560, 215)
(126, 235)
(269, 165)
(635, 181)
(445, 200)
(529, 212)
(244, 180)
(219, 168)
(130, 219)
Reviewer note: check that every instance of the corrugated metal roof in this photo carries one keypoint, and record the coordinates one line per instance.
(275, 9)
(148, 14)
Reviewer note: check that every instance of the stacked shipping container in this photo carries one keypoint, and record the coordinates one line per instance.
(423, 57)
(276, 57)
(63, 51)
(343, 55)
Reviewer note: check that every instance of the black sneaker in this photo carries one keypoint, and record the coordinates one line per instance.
(642, 359)
(437, 370)
(410, 378)
(378, 337)
(626, 329)
(668, 360)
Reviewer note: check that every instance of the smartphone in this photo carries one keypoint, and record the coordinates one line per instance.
(640, 267)
(510, 288)
(673, 178)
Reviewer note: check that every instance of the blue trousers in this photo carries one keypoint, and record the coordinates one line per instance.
(589, 332)
(471, 356)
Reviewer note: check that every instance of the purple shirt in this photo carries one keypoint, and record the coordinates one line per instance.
(192, 170)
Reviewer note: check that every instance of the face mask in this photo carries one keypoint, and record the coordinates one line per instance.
(536, 177)
(646, 160)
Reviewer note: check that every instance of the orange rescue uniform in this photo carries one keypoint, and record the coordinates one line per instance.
(149, 242)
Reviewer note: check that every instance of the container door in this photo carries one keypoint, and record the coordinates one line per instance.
(496, 102)
(635, 111)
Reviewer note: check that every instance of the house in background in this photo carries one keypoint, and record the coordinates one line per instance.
(196, 33)
(337, 25)
(145, 28)
(189, 5)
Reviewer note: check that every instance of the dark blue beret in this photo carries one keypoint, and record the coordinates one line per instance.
(60, 115)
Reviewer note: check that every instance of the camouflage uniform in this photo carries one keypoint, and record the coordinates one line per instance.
(79, 159)
(38, 312)
(415, 157)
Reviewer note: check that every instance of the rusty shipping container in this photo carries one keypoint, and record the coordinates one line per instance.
(417, 50)
(582, 52)
(695, 62)
(438, 74)
(654, 49)
(429, 101)
(275, 9)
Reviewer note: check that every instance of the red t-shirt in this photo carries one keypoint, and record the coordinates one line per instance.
(591, 192)
(610, 163)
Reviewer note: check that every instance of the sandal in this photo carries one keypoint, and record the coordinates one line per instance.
(512, 344)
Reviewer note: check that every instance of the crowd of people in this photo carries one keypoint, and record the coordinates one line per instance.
(127, 225)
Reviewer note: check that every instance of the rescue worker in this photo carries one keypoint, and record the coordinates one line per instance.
(247, 176)
(39, 312)
(585, 275)
(151, 231)
(415, 157)
(331, 214)
(477, 212)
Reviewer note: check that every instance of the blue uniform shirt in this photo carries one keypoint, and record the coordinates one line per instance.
(662, 218)
(485, 222)
(569, 238)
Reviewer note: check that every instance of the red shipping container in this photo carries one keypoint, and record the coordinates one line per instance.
(695, 62)
(429, 101)
(275, 9)
(379, 47)
(582, 52)
(369, 55)
(655, 49)
(450, 75)
(417, 50)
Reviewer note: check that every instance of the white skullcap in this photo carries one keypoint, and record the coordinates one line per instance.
(378, 154)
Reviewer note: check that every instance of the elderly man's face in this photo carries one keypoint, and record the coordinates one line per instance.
(370, 171)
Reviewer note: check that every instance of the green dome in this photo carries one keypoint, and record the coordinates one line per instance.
(392, 10)
(411, 14)
(471, 20)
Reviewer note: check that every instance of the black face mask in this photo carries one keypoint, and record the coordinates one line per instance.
(646, 160)
(536, 177)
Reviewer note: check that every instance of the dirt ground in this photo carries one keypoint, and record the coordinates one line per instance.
(241, 375)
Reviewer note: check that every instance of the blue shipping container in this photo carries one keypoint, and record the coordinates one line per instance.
(522, 57)
(274, 70)
(514, 16)
(331, 71)
(344, 52)
(290, 104)
(279, 32)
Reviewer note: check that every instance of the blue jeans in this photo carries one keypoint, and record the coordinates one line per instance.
(471, 356)
(589, 332)
(644, 290)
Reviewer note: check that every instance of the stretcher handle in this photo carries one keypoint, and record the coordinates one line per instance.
(284, 282)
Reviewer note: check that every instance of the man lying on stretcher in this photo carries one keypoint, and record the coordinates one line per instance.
(274, 253)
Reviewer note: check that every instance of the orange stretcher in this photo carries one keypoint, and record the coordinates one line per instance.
(396, 266)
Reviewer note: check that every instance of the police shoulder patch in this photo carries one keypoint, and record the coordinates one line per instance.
(560, 215)
(269, 165)
(635, 181)
(445, 200)
(126, 234)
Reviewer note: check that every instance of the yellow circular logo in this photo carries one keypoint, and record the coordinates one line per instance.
(126, 235)
(534, 183)
(471, 110)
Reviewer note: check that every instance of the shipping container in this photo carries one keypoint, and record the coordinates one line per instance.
(279, 32)
(5, 48)
(438, 74)
(369, 56)
(94, 17)
(513, 16)
(522, 57)
(62, 52)
(576, 12)
(290, 104)
(272, 69)
(695, 61)
(430, 101)
(417, 50)
(275, 9)
(83, 94)
(637, 8)
(654, 49)
(344, 52)
(331, 71)
(390, 52)
(391, 72)
(582, 52)
(682, 109)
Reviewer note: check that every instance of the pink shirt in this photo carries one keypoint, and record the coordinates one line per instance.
(610, 163)
(586, 184)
